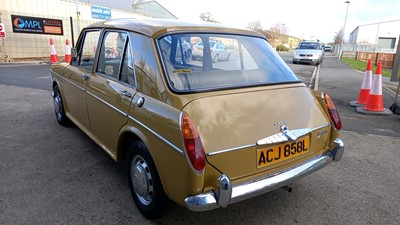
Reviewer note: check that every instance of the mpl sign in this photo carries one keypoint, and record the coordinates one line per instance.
(37, 25)
(2, 31)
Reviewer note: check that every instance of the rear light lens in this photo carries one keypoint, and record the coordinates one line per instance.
(333, 114)
(193, 147)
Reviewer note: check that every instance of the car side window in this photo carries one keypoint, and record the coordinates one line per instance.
(88, 50)
(127, 72)
(148, 76)
(111, 52)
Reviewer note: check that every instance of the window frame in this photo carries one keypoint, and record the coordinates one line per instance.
(81, 42)
(202, 90)
(102, 37)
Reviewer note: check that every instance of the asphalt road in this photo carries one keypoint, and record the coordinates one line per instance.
(55, 175)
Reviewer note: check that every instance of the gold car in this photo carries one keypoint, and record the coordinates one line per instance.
(202, 133)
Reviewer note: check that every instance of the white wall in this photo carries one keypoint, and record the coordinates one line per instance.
(370, 33)
(24, 45)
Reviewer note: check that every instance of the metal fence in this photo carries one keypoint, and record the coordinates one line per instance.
(363, 48)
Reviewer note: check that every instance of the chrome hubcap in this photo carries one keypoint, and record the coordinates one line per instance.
(141, 180)
(57, 106)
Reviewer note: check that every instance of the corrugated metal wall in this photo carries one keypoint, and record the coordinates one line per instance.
(25, 45)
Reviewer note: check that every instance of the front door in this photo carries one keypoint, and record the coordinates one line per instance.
(110, 89)
(76, 77)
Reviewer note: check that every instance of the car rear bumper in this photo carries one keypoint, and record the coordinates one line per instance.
(229, 194)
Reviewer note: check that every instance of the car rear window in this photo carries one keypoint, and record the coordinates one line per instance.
(193, 62)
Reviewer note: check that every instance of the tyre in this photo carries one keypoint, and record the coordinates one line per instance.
(144, 182)
(294, 62)
(227, 57)
(59, 111)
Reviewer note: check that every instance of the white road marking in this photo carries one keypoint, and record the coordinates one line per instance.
(44, 77)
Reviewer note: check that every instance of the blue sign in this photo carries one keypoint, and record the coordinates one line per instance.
(101, 13)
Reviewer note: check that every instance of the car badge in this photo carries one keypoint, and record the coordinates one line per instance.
(285, 130)
(280, 123)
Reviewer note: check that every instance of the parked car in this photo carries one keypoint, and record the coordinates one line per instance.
(182, 44)
(201, 134)
(327, 48)
(308, 52)
(217, 49)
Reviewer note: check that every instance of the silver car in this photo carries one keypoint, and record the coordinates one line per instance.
(217, 49)
(308, 52)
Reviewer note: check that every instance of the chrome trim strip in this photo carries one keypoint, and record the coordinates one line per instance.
(75, 85)
(230, 194)
(156, 134)
(106, 103)
(279, 138)
(285, 134)
(230, 149)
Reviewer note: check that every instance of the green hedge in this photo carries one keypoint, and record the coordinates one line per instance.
(282, 48)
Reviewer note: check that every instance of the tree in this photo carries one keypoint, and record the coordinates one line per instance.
(278, 34)
(208, 17)
(338, 37)
(255, 25)
(136, 3)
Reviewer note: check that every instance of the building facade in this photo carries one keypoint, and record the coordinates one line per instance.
(28, 25)
(381, 36)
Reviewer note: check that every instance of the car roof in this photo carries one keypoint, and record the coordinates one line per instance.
(156, 27)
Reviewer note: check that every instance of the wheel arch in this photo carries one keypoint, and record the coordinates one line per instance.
(195, 183)
(126, 138)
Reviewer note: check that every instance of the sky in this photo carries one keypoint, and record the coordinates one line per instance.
(307, 19)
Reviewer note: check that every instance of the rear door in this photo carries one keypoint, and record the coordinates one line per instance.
(111, 89)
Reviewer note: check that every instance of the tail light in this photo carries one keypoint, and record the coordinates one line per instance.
(333, 114)
(193, 147)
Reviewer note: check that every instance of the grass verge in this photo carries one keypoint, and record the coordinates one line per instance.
(358, 65)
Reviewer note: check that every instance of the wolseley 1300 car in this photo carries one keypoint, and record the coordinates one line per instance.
(202, 133)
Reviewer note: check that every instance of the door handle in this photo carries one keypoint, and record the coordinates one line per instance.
(126, 93)
(140, 102)
(85, 76)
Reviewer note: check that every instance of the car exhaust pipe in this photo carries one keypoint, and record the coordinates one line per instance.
(288, 188)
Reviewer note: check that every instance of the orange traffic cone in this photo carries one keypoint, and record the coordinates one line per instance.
(374, 104)
(68, 55)
(53, 53)
(375, 99)
(112, 52)
(365, 87)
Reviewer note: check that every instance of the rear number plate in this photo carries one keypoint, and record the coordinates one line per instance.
(277, 153)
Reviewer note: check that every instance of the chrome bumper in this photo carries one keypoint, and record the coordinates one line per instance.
(229, 194)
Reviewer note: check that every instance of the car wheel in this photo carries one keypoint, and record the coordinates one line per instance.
(144, 182)
(294, 62)
(61, 118)
(227, 58)
(216, 57)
